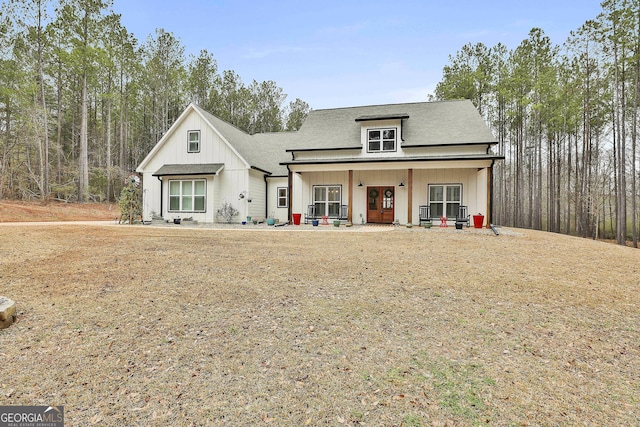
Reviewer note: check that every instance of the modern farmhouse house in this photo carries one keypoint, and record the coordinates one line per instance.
(373, 164)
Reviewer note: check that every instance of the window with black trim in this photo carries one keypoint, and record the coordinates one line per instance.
(193, 141)
(381, 140)
(188, 195)
(327, 199)
(445, 199)
(283, 197)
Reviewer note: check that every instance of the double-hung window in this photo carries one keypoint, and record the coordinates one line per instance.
(187, 195)
(445, 199)
(326, 199)
(193, 137)
(380, 140)
(283, 197)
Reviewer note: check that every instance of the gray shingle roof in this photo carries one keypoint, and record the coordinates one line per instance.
(264, 151)
(190, 169)
(428, 123)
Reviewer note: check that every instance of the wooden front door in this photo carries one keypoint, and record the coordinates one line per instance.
(380, 205)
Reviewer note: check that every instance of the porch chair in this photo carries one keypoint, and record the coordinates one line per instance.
(463, 215)
(344, 212)
(311, 214)
(424, 214)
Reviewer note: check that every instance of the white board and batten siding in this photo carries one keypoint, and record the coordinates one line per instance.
(257, 194)
(273, 183)
(232, 180)
(474, 187)
(303, 187)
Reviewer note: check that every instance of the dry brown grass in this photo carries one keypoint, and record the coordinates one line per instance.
(134, 325)
(21, 211)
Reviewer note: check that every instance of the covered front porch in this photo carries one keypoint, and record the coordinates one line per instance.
(386, 193)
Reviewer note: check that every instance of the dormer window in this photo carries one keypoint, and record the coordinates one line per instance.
(381, 140)
(193, 141)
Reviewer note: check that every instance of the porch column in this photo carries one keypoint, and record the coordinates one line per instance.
(350, 201)
(410, 196)
(489, 195)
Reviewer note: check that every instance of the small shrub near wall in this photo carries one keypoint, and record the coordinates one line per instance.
(227, 212)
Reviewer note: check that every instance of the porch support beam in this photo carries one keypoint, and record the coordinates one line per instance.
(350, 200)
(489, 195)
(410, 196)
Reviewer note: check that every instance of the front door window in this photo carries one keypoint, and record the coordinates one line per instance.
(380, 204)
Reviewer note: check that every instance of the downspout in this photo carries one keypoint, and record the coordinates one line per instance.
(160, 179)
(490, 216)
(266, 197)
(289, 184)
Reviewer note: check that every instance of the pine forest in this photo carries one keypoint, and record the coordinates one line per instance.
(82, 101)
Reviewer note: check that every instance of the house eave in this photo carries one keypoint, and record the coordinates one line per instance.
(454, 144)
(300, 150)
(266, 172)
(393, 160)
(376, 117)
(404, 145)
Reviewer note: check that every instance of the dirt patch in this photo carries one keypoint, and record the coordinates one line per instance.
(136, 325)
(18, 211)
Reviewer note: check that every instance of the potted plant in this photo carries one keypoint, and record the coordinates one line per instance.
(427, 224)
(478, 220)
(271, 220)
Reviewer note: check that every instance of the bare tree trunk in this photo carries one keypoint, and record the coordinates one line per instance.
(121, 123)
(5, 151)
(44, 147)
(59, 147)
(108, 154)
(559, 159)
(634, 137)
(83, 160)
(569, 172)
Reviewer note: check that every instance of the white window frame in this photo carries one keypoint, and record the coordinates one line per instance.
(449, 204)
(183, 197)
(283, 199)
(331, 202)
(191, 149)
(382, 140)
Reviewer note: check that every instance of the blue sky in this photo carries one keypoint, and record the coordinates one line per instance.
(346, 52)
